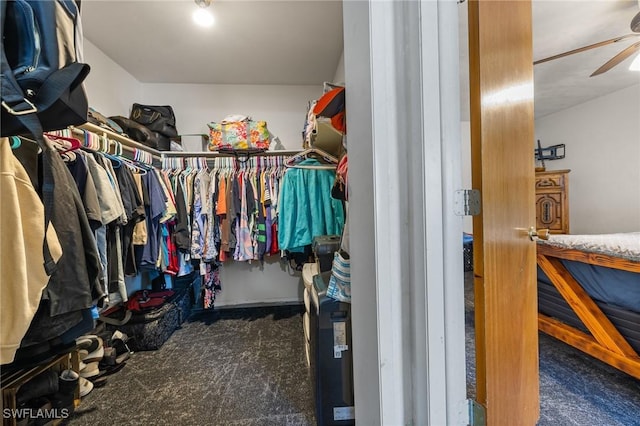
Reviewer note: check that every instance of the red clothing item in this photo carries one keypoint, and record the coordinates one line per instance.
(274, 239)
(174, 261)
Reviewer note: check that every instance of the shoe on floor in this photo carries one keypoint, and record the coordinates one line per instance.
(85, 387)
(64, 398)
(91, 348)
(40, 404)
(98, 381)
(109, 357)
(88, 342)
(106, 370)
(43, 384)
(92, 369)
(119, 335)
(68, 381)
(119, 343)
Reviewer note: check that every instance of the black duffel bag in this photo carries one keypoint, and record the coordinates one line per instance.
(142, 134)
(136, 131)
(156, 118)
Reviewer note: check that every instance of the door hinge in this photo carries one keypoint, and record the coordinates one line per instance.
(467, 202)
(476, 413)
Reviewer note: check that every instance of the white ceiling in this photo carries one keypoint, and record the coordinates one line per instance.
(300, 43)
(251, 42)
(559, 26)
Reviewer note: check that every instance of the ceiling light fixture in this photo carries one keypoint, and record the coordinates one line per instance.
(635, 65)
(202, 16)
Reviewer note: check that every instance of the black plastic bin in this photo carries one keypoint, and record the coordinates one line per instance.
(324, 246)
(331, 357)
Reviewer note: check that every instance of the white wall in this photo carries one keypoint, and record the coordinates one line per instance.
(110, 88)
(112, 91)
(361, 216)
(255, 284)
(338, 76)
(602, 139)
(284, 108)
(465, 147)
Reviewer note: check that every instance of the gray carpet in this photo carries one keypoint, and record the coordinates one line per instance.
(229, 368)
(248, 367)
(575, 389)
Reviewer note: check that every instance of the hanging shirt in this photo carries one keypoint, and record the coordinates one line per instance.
(200, 214)
(110, 211)
(244, 249)
(115, 285)
(86, 188)
(110, 208)
(212, 235)
(134, 208)
(75, 284)
(140, 228)
(307, 208)
(170, 205)
(232, 213)
(182, 232)
(22, 215)
(157, 203)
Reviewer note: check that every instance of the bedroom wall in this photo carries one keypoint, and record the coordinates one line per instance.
(110, 88)
(603, 154)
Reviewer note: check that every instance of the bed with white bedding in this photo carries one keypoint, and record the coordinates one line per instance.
(589, 295)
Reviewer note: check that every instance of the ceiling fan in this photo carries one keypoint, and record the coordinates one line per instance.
(621, 56)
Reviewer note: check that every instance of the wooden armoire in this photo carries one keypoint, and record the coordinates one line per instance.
(552, 201)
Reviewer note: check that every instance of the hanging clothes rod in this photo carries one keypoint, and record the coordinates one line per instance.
(138, 151)
(126, 143)
(213, 154)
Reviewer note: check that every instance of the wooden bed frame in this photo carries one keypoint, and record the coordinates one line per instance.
(605, 342)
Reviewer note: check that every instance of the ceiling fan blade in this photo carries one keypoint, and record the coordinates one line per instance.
(635, 23)
(617, 59)
(584, 48)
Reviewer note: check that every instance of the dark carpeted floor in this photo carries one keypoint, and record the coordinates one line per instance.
(247, 367)
(241, 367)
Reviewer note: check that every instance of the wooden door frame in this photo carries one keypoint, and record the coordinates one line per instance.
(408, 299)
(502, 133)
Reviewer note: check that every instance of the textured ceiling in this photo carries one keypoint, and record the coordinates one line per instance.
(300, 42)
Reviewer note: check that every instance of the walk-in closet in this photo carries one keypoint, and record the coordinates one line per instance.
(220, 212)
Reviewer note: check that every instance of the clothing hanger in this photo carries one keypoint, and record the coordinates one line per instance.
(115, 161)
(138, 167)
(295, 159)
(15, 142)
(74, 143)
(104, 143)
(143, 156)
(117, 147)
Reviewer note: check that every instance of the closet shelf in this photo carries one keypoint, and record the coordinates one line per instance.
(127, 143)
(209, 154)
(130, 145)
